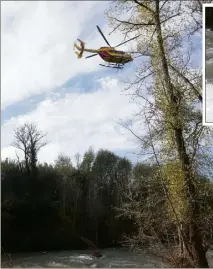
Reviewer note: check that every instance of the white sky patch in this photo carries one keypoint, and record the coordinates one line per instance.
(37, 45)
(209, 103)
(78, 121)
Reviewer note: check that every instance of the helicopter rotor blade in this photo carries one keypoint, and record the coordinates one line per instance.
(103, 35)
(127, 41)
(91, 56)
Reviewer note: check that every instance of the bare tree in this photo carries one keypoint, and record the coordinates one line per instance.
(28, 139)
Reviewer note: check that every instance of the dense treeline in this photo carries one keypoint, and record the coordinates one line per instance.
(61, 203)
(47, 207)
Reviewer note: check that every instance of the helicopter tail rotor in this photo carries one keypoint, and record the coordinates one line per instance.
(81, 48)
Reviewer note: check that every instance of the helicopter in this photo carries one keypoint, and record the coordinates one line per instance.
(114, 58)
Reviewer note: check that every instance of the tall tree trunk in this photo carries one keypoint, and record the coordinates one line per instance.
(181, 242)
(194, 244)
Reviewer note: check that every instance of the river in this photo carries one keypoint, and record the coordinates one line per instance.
(112, 258)
(209, 75)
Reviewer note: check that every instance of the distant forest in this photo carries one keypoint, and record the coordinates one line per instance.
(209, 18)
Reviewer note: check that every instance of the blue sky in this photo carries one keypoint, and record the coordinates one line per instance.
(77, 102)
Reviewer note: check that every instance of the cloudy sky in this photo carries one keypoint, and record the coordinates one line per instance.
(77, 102)
(208, 76)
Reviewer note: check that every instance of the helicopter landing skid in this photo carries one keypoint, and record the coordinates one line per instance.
(113, 66)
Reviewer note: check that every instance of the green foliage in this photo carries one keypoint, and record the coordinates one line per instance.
(88, 159)
(177, 206)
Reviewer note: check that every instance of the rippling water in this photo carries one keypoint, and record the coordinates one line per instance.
(112, 258)
(209, 76)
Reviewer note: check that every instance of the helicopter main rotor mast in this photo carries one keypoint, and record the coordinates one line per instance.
(99, 30)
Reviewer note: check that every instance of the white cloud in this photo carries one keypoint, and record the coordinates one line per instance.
(78, 121)
(37, 44)
(209, 103)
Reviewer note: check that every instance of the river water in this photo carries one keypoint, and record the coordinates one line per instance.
(209, 75)
(112, 258)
